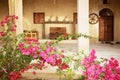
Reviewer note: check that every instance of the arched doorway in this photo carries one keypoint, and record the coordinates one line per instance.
(106, 26)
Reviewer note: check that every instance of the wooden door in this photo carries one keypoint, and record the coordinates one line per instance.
(106, 29)
(101, 29)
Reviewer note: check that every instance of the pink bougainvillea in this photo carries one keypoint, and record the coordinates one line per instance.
(30, 50)
(95, 70)
(20, 51)
(14, 75)
(49, 55)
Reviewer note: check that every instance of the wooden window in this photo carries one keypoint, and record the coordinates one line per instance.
(39, 18)
(75, 18)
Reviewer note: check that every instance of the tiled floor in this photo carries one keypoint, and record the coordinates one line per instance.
(107, 50)
(102, 50)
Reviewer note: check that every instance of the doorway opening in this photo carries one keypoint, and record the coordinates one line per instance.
(106, 26)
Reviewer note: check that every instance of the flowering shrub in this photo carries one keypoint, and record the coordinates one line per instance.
(46, 53)
(16, 54)
(11, 58)
(107, 69)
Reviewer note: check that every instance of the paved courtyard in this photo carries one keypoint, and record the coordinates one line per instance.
(102, 50)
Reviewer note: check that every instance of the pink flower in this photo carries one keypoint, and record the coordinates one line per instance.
(63, 51)
(49, 49)
(21, 45)
(2, 23)
(15, 17)
(2, 33)
(113, 63)
(118, 70)
(13, 28)
(35, 49)
(14, 75)
(93, 54)
(34, 72)
(50, 43)
(50, 60)
(43, 54)
(63, 66)
(35, 56)
(6, 19)
(25, 52)
(58, 62)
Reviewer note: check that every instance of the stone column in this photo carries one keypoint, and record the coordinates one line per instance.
(16, 8)
(11, 4)
(83, 24)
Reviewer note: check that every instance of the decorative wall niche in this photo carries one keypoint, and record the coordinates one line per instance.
(39, 17)
(56, 31)
(75, 18)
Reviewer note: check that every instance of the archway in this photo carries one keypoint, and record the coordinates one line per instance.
(106, 26)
